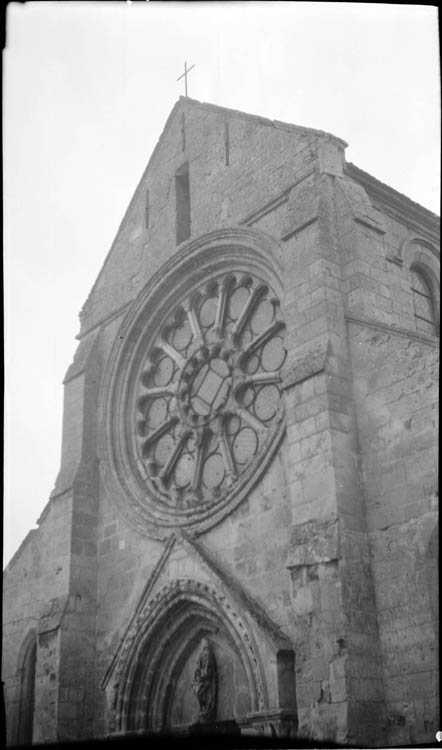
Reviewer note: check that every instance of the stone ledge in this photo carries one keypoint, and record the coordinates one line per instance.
(302, 206)
(267, 208)
(392, 330)
(370, 222)
(312, 363)
(395, 259)
(103, 322)
(52, 614)
(303, 224)
(81, 357)
(277, 723)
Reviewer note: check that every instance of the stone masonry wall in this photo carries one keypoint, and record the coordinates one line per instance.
(395, 381)
(395, 375)
(38, 572)
(49, 585)
(340, 691)
(264, 160)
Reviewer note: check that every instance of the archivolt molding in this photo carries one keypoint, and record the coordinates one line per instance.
(420, 255)
(417, 249)
(195, 437)
(155, 641)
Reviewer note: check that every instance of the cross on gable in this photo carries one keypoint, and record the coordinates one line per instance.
(184, 75)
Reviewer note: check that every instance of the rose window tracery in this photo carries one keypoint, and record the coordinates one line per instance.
(208, 392)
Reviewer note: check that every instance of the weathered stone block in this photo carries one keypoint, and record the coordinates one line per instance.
(313, 542)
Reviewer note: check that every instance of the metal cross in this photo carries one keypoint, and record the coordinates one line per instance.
(186, 71)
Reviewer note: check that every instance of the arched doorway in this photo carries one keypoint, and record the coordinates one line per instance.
(155, 690)
(27, 691)
(162, 696)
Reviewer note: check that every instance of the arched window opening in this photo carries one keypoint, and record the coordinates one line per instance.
(182, 196)
(424, 309)
(27, 695)
(285, 664)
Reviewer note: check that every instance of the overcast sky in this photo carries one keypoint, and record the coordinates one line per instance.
(87, 90)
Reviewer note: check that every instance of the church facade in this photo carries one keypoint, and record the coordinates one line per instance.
(243, 532)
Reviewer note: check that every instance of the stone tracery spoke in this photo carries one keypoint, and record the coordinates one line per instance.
(250, 419)
(194, 323)
(198, 466)
(158, 433)
(168, 349)
(174, 456)
(224, 288)
(263, 337)
(248, 309)
(262, 378)
(158, 391)
(227, 453)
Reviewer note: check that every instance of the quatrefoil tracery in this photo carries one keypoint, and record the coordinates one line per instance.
(209, 390)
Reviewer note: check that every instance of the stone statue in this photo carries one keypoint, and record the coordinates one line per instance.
(205, 682)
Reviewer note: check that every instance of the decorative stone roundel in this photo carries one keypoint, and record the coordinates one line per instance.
(208, 393)
(196, 410)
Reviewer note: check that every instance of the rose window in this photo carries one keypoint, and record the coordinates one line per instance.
(208, 393)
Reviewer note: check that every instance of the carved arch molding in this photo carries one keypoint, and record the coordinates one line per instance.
(151, 686)
(191, 407)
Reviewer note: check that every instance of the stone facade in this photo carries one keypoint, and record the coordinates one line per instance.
(248, 459)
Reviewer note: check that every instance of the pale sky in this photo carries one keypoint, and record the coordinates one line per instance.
(87, 90)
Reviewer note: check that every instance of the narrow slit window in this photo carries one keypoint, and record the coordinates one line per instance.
(424, 313)
(183, 132)
(182, 198)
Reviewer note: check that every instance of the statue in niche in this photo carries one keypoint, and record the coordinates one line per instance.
(205, 682)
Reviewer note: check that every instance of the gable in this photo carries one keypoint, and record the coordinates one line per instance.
(236, 163)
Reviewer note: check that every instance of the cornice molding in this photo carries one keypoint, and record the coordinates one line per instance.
(274, 203)
(404, 332)
(399, 206)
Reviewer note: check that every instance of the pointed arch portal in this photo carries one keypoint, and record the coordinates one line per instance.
(154, 690)
(153, 681)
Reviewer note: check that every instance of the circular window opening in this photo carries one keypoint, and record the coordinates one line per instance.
(196, 409)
